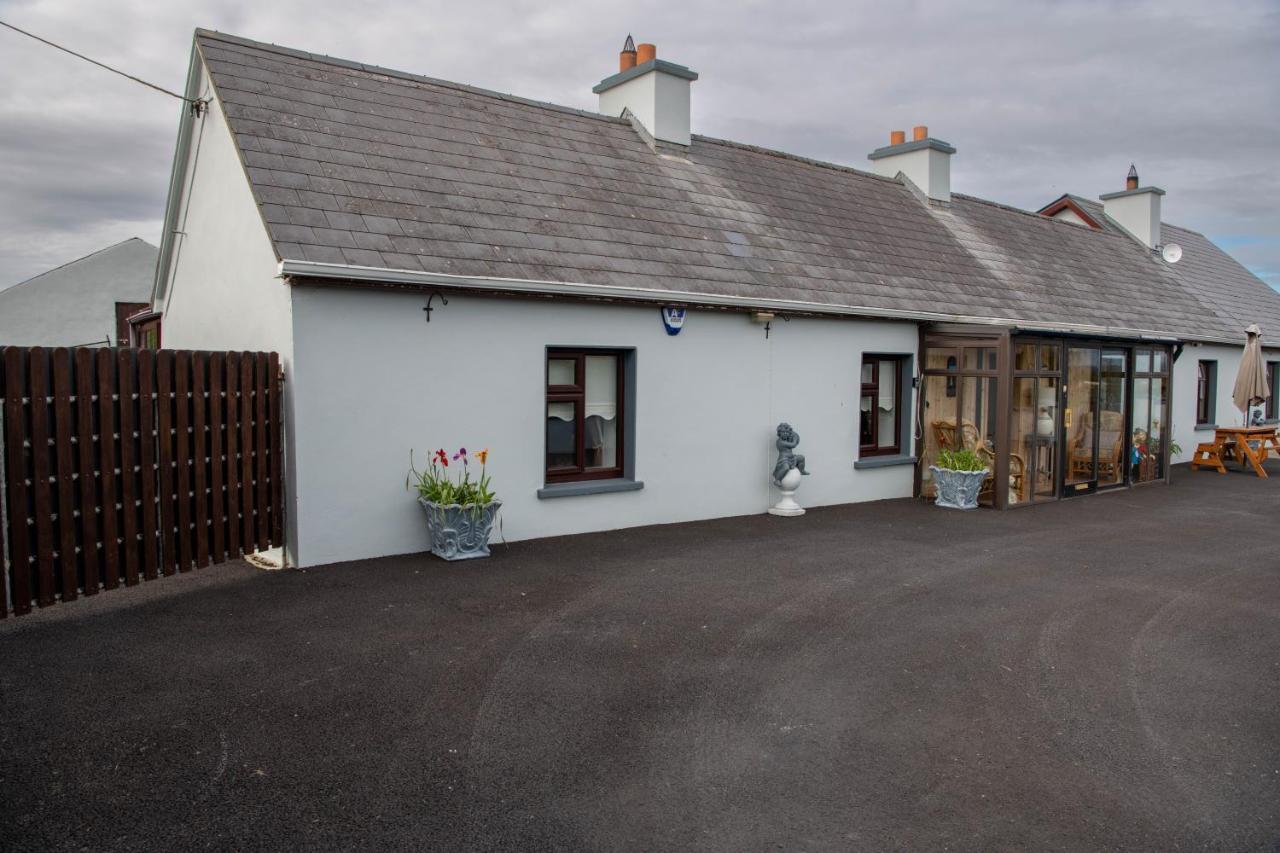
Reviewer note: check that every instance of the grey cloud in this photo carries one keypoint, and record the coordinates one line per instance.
(1040, 98)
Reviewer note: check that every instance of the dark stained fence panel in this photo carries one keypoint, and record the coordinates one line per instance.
(128, 464)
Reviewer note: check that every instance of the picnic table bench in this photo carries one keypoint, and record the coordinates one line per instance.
(1250, 445)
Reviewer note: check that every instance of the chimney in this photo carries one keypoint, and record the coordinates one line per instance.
(654, 90)
(924, 160)
(1136, 210)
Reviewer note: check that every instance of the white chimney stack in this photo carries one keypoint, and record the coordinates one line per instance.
(924, 160)
(1136, 210)
(654, 90)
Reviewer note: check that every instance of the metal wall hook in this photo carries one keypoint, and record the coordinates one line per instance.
(444, 300)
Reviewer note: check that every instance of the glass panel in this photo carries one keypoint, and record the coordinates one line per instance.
(867, 425)
(940, 359)
(1079, 418)
(562, 439)
(1159, 361)
(1024, 357)
(1146, 457)
(1142, 361)
(887, 405)
(561, 371)
(939, 425)
(977, 428)
(868, 372)
(600, 423)
(1034, 436)
(1111, 437)
(1049, 358)
(979, 358)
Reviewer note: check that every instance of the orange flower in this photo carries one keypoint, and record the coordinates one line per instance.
(482, 455)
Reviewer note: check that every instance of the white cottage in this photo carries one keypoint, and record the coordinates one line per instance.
(440, 265)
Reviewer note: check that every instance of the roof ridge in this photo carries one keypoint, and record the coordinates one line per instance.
(1034, 214)
(215, 35)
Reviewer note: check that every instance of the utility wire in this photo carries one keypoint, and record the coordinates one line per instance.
(193, 101)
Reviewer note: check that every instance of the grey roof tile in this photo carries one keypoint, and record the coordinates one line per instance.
(382, 169)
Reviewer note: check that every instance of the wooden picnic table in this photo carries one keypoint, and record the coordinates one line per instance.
(1241, 441)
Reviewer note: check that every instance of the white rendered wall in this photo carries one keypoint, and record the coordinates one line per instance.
(927, 168)
(223, 293)
(374, 380)
(1139, 214)
(1069, 215)
(660, 101)
(1185, 376)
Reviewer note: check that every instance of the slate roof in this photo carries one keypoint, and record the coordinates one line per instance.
(363, 166)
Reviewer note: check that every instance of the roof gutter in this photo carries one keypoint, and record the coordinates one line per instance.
(177, 181)
(291, 269)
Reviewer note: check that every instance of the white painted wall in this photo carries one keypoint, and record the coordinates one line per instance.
(1185, 375)
(222, 292)
(1138, 212)
(1069, 215)
(660, 101)
(928, 168)
(374, 380)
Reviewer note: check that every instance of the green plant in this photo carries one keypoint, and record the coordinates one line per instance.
(960, 460)
(1175, 448)
(435, 484)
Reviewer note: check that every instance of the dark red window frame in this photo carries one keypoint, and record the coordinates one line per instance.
(873, 388)
(1205, 371)
(576, 394)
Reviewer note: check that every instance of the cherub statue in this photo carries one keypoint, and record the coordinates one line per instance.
(788, 438)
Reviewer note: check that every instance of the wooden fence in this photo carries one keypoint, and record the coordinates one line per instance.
(121, 465)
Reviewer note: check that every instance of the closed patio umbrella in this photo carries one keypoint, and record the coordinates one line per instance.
(1251, 381)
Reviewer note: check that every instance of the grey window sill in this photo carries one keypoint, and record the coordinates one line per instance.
(883, 462)
(1206, 427)
(589, 487)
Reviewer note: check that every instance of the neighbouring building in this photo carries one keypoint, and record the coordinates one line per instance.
(440, 265)
(86, 302)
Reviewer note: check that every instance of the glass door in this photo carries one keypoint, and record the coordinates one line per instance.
(1113, 411)
(1080, 419)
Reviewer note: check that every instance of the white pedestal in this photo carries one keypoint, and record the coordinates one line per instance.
(787, 505)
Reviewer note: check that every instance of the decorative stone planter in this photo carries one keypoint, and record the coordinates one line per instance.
(957, 489)
(460, 532)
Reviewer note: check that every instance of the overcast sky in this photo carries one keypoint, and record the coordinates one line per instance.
(1039, 98)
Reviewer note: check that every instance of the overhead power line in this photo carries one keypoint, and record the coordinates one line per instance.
(192, 101)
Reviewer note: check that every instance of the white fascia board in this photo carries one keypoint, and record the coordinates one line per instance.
(312, 269)
(177, 181)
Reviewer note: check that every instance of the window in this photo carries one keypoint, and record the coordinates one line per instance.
(585, 435)
(881, 406)
(1206, 392)
(1273, 382)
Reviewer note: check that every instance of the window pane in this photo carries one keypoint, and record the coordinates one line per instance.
(939, 425)
(562, 443)
(1159, 361)
(1024, 357)
(1049, 358)
(979, 358)
(940, 359)
(560, 371)
(866, 415)
(868, 372)
(1031, 464)
(1142, 361)
(887, 405)
(600, 427)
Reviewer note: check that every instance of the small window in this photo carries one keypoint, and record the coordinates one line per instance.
(881, 406)
(1206, 392)
(1273, 382)
(584, 418)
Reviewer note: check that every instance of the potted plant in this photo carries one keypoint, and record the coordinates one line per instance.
(958, 478)
(460, 511)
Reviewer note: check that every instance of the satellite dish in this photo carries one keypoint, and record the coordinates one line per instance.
(1171, 252)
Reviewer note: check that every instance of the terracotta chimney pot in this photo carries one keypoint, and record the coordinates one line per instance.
(627, 58)
(897, 137)
(920, 132)
(646, 53)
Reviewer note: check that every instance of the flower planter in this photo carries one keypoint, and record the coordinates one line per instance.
(957, 489)
(460, 532)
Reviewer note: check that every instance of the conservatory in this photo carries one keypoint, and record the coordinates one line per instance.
(1054, 416)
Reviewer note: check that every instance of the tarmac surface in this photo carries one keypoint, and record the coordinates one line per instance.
(1101, 673)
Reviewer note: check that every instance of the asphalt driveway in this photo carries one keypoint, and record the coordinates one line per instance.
(1102, 673)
